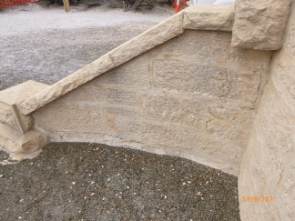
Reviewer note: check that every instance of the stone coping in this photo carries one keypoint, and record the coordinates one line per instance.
(213, 17)
(209, 17)
(18, 93)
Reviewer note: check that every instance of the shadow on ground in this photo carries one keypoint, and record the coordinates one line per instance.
(81, 181)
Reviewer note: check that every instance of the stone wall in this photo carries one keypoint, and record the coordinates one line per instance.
(182, 89)
(193, 96)
(17, 103)
(268, 167)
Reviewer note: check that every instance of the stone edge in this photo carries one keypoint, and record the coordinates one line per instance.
(210, 17)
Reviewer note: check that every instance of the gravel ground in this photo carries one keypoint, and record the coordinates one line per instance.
(95, 182)
(80, 181)
(46, 45)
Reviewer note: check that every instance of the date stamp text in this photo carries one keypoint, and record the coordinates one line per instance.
(256, 199)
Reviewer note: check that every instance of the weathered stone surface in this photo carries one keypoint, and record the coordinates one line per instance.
(121, 111)
(163, 150)
(188, 112)
(66, 85)
(242, 61)
(190, 78)
(9, 113)
(240, 116)
(9, 138)
(215, 154)
(209, 17)
(6, 115)
(190, 42)
(173, 137)
(283, 78)
(174, 99)
(124, 125)
(32, 141)
(127, 124)
(18, 93)
(223, 130)
(113, 117)
(25, 122)
(214, 48)
(66, 117)
(155, 36)
(176, 138)
(101, 138)
(260, 24)
(248, 60)
(127, 76)
(221, 49)
(268, 167)
(207, 81)
(245, 88)
(289, 45)
(21, 146)
(100, 94)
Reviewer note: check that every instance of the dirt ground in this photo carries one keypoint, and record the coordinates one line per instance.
(72, 181)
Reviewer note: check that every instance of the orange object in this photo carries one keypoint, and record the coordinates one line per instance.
(179, 5)
(10, 3)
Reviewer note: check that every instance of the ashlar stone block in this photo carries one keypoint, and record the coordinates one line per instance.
(174, 109)
(209, 17)
(69, 117)
(127, 76)
(196, 43)
(224, 130)
(206, 81)
(260, 24)
(95, 93)
(237, 115)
